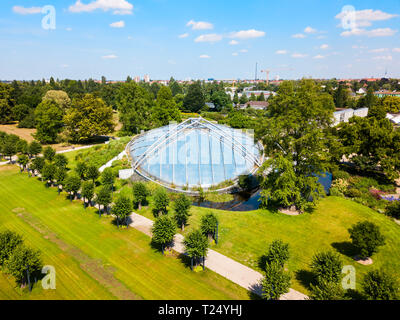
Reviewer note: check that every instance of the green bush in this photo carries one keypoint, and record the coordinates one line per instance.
(353, 193)
(339, 174)
(335, 192)
(393, 209)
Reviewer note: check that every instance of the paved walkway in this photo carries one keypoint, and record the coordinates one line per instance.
(109, 163)
(226, 267)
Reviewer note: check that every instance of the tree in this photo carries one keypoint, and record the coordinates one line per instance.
(276, 282)
(165, 109)
(23, 261)
(92, 173)
(23, 161)
(104, 198)
(49, 153)
(245, 182)
(243, 99)
(208, 225)
(108, 178)
(48, 172)
(8, 242)
(9, 148)
(60, 161)
(38, 164)
(72, 184)
(236, 99)
(161, 201)
(278, 252)
(261, 97)
(34, 148)
(87, 191)
(182, 207)
(6, 103)
(20, 112)
(341, 96)
(22, 146)
(391, 104)
(60, 97)
(60, 175)
(380, 285)
(194, 100)
(327, 290)
(133, 104)
(372, 144)
(366, 238)
(297, 140)
(81, 169)
(327, 266)
(48, 117)
(122, 209)
(196, 246)
(140, 194)
(163, 231)
(88, 117)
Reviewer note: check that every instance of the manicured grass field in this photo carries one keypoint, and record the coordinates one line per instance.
(245, 236)
(93, 259)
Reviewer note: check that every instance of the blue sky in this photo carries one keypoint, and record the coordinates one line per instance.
(199, 39)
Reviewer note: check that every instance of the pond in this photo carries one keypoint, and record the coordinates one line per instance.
(250, 201)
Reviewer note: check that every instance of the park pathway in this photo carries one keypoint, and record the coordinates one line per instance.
(226, 267)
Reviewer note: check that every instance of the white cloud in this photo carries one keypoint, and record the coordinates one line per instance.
(382, 32)
(173, 62)
(378, 50)
(68, 29)
(212, 37)
(321, 37)
(118, 24)
(25, 11)
(235, 54)
(298, 36)
(310, 30)
(319, 57)
(299, 55)
(247, 34)
(396, 49)
(183, 36)
(324, 46)
(200, 25)
(205, 56)
(120, 7)
(385, 58)
(233, 42)
(365, 18)
(281, 52)
(111, 56)
(64, 66)
(244, 50)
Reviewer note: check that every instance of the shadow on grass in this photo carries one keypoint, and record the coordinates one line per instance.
(305, 277)
(255, 292)
(346, 248)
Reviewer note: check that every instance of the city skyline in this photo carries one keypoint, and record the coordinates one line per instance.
(203, 40)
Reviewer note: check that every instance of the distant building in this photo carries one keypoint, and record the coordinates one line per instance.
(137, 79)
(394, 118)
(258, 105)
(146, 78)
(382, 94)
(266, 94)
(345, 114)
(361, 91)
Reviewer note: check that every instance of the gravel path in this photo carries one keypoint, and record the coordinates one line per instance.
(226, 267)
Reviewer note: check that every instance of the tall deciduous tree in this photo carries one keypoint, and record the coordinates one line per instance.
(276, 282)
(182, 207)
(48, 118)
(161, 201)
(366, 237)
(87, 118)
(140, 194)
(134, 105)
(296, 141)
(196, 246)
(122, 209)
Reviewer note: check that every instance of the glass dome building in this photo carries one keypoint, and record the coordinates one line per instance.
(195, 153)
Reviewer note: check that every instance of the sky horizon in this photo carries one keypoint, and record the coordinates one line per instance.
(84, 39)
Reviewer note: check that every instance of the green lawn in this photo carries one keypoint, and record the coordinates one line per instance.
(93, 259)
(244, 236)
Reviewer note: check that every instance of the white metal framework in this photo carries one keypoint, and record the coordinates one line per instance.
(150, 147)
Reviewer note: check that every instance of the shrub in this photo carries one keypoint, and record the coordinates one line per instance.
(278, 252)
(327, 266)
(276, 282)
(339, 174)
(366, 237)
(334, 192)
(379, 285)
(353, 193)
(326, 290)
(393, 209)
(341, 185)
